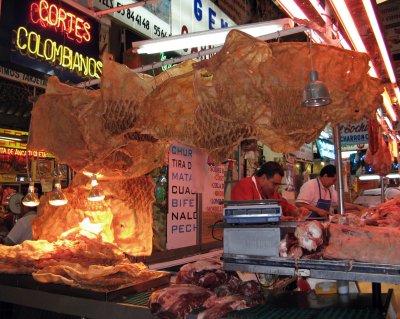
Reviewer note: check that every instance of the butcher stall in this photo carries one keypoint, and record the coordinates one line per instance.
(86, 259)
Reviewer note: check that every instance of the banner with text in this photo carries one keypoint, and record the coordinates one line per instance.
(189, 16)
(354, 133)
(213, 196)
(190, 173)
(182, 205)
(136, 18)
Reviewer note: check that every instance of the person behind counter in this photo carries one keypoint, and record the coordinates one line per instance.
(263, 185)
(319, 194)
(22, 229)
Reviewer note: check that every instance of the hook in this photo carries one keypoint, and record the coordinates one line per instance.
(279, 36)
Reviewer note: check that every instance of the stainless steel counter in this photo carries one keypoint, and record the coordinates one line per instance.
(325, 269)
(70, 305)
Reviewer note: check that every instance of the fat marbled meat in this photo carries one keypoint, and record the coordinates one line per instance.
(228, 292)
(217, 307)
(177, 301)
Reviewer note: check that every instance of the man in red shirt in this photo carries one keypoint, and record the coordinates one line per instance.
(264, 185)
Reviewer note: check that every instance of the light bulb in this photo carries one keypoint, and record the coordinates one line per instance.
(31, 199)
(57, 198)
(96, 193)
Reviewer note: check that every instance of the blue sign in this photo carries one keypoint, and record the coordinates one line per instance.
(326, 148)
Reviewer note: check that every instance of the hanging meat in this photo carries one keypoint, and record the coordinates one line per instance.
(378, 153)
(250, 89)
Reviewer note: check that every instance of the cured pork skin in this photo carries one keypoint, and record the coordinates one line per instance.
(177, 301)
(371, 244)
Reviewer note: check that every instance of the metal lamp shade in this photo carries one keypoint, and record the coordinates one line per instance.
(316, 93)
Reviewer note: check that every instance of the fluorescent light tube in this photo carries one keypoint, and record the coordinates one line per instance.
(347, 21)
(210, 37)
(387, 103)
(369, 177)
(389, 124)
(379, 39)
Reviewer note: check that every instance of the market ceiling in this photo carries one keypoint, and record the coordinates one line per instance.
(16, 99)
(353, 19)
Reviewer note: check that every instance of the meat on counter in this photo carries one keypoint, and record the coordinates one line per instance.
(227, 292)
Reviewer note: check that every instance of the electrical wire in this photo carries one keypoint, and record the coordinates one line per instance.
(219, 221)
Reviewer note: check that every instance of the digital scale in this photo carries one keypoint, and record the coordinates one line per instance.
(252, 212)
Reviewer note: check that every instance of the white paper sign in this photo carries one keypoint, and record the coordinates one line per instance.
(182, 205)
(136, 18)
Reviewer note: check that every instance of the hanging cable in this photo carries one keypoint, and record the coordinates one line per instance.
(30, 199)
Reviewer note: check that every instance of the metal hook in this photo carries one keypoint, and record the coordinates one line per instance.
(279, 36)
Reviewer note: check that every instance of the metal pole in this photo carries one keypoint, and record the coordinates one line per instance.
(128, 6)
(338, 157)
(382, 189)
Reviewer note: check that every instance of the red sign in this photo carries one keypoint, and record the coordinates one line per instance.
(19, 152)
(51, 16)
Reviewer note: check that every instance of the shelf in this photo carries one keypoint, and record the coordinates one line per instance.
(324, 269)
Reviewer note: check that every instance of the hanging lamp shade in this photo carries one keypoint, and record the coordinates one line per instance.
(57, 198)
(96, 193)
(315, 92)
(31, 199)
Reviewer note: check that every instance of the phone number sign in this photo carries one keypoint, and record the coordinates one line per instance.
(137, 18)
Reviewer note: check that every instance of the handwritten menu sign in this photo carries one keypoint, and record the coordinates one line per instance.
(213, 195)
(182, 205)
(189, 173)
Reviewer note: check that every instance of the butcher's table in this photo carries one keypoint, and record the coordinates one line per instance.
(325, 269)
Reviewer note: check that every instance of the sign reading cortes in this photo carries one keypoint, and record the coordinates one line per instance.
(56, 39)
(354, 133)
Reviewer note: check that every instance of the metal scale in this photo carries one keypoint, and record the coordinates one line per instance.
(251, 228)
(252, 212)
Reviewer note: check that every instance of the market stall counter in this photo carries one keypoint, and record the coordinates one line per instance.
(282, 304)
(22, 290)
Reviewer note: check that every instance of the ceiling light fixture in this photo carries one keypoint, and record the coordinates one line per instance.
(57, 197)
(315, 92)
(387, 103)
(369, 177)
(342, 11)
(211, 37)
(31, 199)
(397, 93)
(324, 15)
(96, 193)
(379, 39)
(295, 12)
(388, 122)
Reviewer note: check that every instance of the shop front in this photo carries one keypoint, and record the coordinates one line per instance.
(141, 229)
